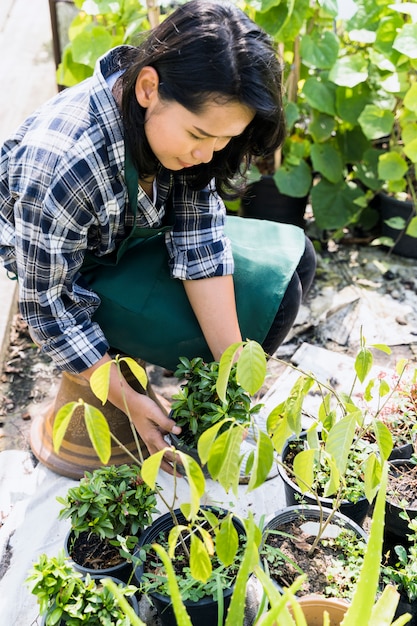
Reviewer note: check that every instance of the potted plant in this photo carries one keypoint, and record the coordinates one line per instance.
(401, 498)
(108, 509)
(295, 543)
(388, 58)
(66, 597)
(206, 587)
(197, 407)
(401, 570)
(324, 139)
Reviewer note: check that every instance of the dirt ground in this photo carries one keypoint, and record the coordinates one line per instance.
(355, 288)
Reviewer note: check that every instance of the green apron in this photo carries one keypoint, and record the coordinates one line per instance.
(145, 313)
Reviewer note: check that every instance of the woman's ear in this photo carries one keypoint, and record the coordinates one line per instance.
(146, 88)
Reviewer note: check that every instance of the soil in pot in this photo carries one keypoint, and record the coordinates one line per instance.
(356, 509)
(93, 555)
(401, 494)
(203, 611)
(332, 567)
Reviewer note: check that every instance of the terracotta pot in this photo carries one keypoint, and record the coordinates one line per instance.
(356, 511)
(76, 454)
(314, 607)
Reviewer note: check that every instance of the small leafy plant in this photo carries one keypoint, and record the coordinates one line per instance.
(197, 406)
(64, 596)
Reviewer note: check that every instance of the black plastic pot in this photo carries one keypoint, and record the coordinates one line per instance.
(311, 513)
(396, 528)
(356, 511)
(401, 453)
(122, 571)
(192, 452)
(390, 207)
(263, 200)
(405, 606)
(203, 612)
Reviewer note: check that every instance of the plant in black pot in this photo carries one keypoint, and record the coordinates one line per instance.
(197, 406)
(108, 509)
(332, 564)
(401, 498)
(206, 552)
(65, 596)
(401, 571)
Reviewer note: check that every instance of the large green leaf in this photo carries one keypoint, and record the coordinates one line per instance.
(304, 469)
(350, 101)
(227, 541)
(251, 367)
(406, 41)
(322, 126)
(225, 365)
(196, 481)
(90, 44)
(181, 616)
(200, 562)
(224, 459)
(100, 381)
(392, 166)
(62, 421)
(264, 457)
(98, 432)
(294, 181)
(339, 441)
(376, 122)
(349, 71)
(327, 161)
(319, 49)
(320, 95)
(334, 204)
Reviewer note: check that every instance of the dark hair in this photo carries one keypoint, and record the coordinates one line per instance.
(203, 49)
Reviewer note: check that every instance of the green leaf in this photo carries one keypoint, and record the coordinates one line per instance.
(327, 160)
(383, 438)
(320, 95)
(181, 615)
(206, 439)
(90, 44)
(251, 367)
(227, 541)
(235, 613)
(224, 459)
(137, 370)
(98, 432)
(225, 365)
(304, 469)
(294, 180)
(406, 41)
(376, 122)
(319, 49)
(363, 363)
(372, 476)
(333, 204)
(339, 440)
(100, 381)
(412, 228)
(360, 609)
(384, 609)
(61, 422)
(264, 457)
(349, 71)
(195, 478)
(333, 483)
(200, 563)
(151, 466)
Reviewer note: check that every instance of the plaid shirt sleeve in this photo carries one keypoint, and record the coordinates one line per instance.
(197, 245)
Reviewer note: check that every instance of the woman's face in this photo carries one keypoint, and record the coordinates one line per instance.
(181, 139)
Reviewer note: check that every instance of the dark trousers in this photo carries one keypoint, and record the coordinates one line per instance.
(295, 293)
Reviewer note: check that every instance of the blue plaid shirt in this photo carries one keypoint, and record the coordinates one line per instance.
(62, 192)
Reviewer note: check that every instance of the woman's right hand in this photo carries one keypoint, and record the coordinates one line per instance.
(148, 418)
